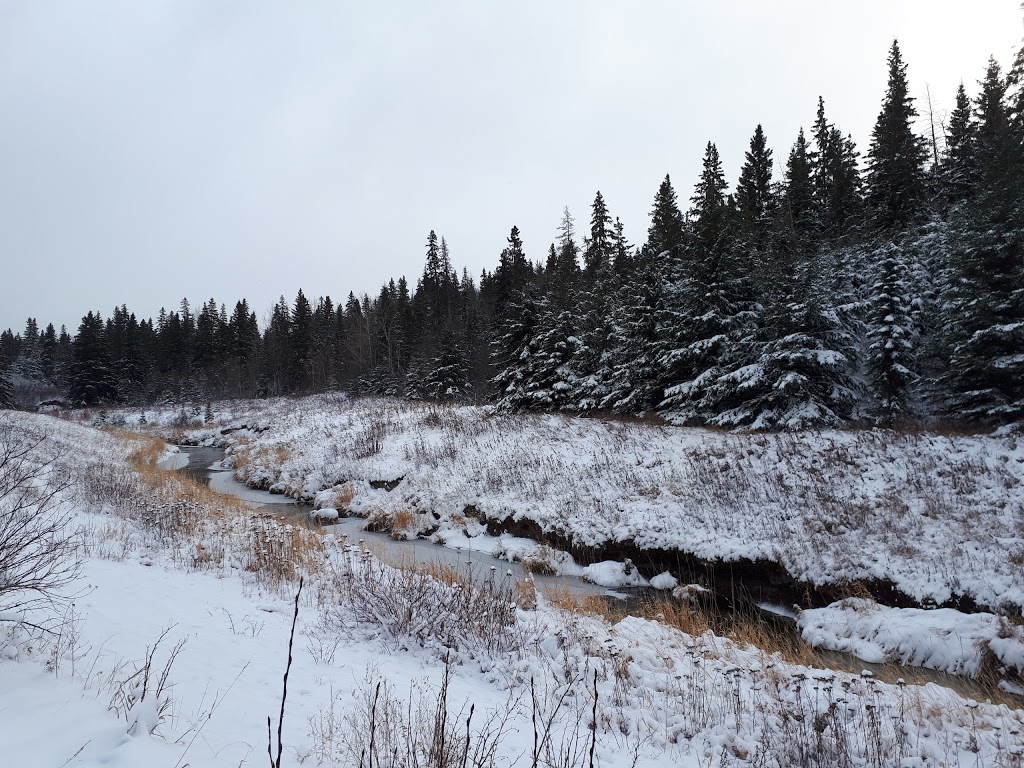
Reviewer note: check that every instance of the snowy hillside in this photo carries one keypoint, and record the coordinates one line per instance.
(387, 659)
(938, 516)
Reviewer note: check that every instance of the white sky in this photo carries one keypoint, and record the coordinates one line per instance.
(155, 149)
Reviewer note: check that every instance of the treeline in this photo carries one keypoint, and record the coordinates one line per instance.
(879, 286)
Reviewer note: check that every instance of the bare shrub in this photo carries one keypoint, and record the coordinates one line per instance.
(279, 552)
(386, 730)
(431, 603)
(38, 552)
(141, 694)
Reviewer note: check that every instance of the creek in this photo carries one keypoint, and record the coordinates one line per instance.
(205, 465)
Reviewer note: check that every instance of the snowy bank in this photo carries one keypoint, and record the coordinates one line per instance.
(942, 639)
(937, 519)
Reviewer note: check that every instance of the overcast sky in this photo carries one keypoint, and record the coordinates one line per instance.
(153, 150)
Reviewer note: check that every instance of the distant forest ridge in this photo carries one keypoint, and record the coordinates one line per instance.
(875, 286)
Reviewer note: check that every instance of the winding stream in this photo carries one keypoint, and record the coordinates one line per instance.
(205, 466)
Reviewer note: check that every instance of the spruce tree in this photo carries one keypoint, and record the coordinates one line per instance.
(711, 308)
(637, 343)
(300, 344)
(892, 333)
(598, 249)
(92, 378)
(666, 230)
(512, 350)
(896, 157)
(754, 195)
(709, 202)
(448, 376)
(958, 169)
(6, 388)
(623, 251)
(799, 186)
(985, 294)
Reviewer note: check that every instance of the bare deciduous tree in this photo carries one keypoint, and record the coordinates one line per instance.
(38, 550)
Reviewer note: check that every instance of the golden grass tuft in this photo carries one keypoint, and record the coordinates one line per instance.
(207, 522)
(561, 597)
(403, 523)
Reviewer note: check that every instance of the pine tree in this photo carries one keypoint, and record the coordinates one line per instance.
(896, 179)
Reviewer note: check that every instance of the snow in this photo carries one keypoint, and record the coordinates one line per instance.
(663, 696)
(940, 516)
(942, 639)
(324, 514)
(664, 580)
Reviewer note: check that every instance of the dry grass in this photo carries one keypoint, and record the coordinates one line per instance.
(201, 526)
(403, 524)
(561, 597)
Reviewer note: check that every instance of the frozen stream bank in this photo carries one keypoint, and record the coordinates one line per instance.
(204, 463)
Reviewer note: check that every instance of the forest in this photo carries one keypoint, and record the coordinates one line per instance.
(882, 285)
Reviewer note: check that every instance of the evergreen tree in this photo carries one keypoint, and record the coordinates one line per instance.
(896, 179)
(6, 388)
(623, 251)
(985, 330)
(709, 202)
(799, 187)
(276, 364)
(563, 269)
(667, 228)
(891, 334)
(448, 377)
(639, 336)
(300, 343)
(599, 248)
(755, 197)
(835, 177)
(548, 377)
(512, 274)
(994, 137)
(513, 349)
(958, 170)
(92, 378)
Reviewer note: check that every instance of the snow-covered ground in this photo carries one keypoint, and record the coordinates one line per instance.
(940, 516)
(161, 557)
(942, 639)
